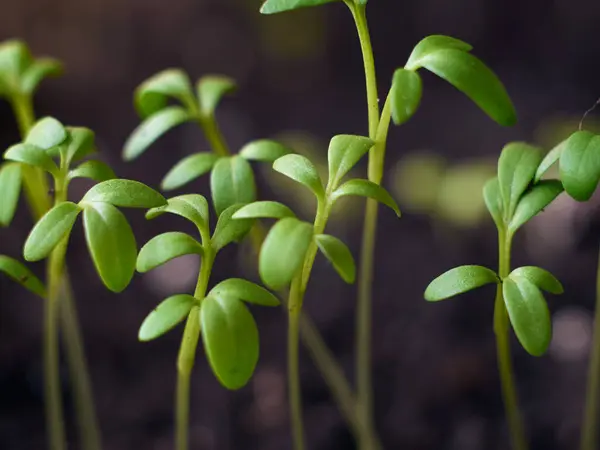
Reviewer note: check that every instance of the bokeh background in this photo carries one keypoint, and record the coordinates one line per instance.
(300, 80)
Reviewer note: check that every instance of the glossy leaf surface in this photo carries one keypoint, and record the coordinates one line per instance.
(192, 207)
(535, 200)
(580, 165)
(540, 277)
(431, 44)
(458, 281)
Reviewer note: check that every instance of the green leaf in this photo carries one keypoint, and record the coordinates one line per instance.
(230, 339)
(493, 201)
(165, 247)
(580, 165)
(406, 92)
(534, 201)
(528, 314)
(264, 150)
(283, 251)
(231, 182)
(124, 193)
(364, 188)
(34, 156)
(95, 170)
(245, 290)
(230, 230)
(264, 209)
(516, 168)
(192, 207)
(166, 316)
(10, 186)
(339, 255)
(55, 225)
(111, 244)
(14, 60)
(431, 44)
(344, 153)
(81, 143)
(540, 277)
(474, 79)
(46, 133)
(153, 128)
(551, 157)
(300, 169)
(22, 275)
(152, 95)
(211, 89)
(458, 281)
(188, 169)
(277, 6)
(41, 68)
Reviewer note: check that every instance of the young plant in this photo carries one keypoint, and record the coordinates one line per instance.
(289, 250)
(512, 198)
(228, 330)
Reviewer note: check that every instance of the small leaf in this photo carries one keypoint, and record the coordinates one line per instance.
(152, 95)
(81, 143)
(245, 290)
(230, 230)
(211, 89)
(22, 275)
(277, 6)
(493, 201)
(344, 153)
(264, 209)
(534, 201)
(528, 314)
(10, 187)
(364, 188)
(124, 193)
(406, 92)
(339, 255)
(166, 316)
(95, 170)
(458, 281)
(46, 133)
(152, 128)
(540, 277)
(188, 169)
(580, 165)
(192, 207)
(230, 339)
(551, 157)
(264, 150)
(431, 44)
(14, 60)
(231, 182)
(34, 156)
(300, 169)
(283, 252)
(41, 68)
(55, 225)
(111, 244)
(165, 247)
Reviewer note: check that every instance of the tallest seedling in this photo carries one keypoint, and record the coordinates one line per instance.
(451, 60)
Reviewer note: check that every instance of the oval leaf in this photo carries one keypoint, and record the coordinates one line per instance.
(580, 165)
(232, 182)
(14, 60)
(264, 150)
(41, 68)
(406, 92)
(46, 133)
(22, 275)
(344, 153)
(152, 95)
(300, 169)
(188, 169)
(245, 290)
(10, 186)
(540, 277)
(211, 89)
(459, 280)
(264, 209)
(339, 255)
(364, 188)
(192, 207)
(164, 248)
(32, 155)
(493, 201)
(230, 230)
(432, 43)
(166, 316)
(277, 6)
(534, 201)
(124, 193)
(94, 170)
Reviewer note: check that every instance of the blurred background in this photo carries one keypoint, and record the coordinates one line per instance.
(301, 80)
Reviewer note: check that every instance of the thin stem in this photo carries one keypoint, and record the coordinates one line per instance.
(295, 393)
(213, 135)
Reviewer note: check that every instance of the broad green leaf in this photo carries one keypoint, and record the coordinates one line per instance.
(211, 89)
(245, 290)
(55, 225)
(166, 316)
(493, 201)
(80, 143)
(473, 78)
(283, 252)
(10, 187)
(364, 188)
(516, 168)
(277, 6)
(111, 244)
(300, 169)
(231, 182)
(458, 281)
(344, 153)
(406, 92)
(230, 339)
(95, 170)
(528, 314)
(264, 210)
(533, 201)
(124, 193)
(22, 275)
(580, 165)
(46, 133)
(229, 229)
(165, 247)
(551, 157)
(188, 169)
(152, 128)
(264, 150)
(41, 68)
(431, 44)
(152, 95)
(540, 277)
(192, 207)
(14, 60)
(339, 255)
(32, 155)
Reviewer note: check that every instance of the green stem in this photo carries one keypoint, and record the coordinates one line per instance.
(294, 389)
(213, 135)
(589, 430)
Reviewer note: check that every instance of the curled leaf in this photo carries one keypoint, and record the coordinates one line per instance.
(277, 6)
(230, 230)
(32, 155)
(431, 44)
(94, 170)
(540, 277)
